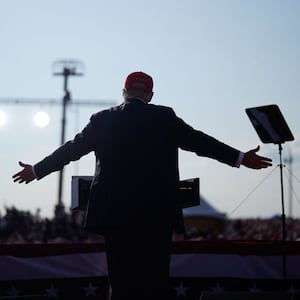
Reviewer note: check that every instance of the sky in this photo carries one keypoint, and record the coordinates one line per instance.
(210, 60)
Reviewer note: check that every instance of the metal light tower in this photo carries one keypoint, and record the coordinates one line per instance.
(65, 68)
(289, 161)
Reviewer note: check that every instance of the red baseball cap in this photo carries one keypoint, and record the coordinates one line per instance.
(139, 81)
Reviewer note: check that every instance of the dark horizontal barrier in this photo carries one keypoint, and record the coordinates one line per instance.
(206, 269)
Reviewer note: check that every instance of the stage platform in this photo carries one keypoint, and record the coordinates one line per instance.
(199, 270)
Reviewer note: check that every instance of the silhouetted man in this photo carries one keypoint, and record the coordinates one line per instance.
(134, 199)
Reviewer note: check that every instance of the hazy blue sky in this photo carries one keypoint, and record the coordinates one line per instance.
(209, 59)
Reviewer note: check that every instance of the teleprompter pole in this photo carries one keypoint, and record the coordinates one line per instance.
(282, 213)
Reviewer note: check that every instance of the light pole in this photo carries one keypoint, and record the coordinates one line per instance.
(289, 161)
(65, 68)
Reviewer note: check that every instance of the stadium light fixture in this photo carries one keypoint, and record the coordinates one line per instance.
(3, 118)
(41, 119)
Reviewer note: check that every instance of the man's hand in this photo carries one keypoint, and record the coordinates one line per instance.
(254, 161)
(26, 175)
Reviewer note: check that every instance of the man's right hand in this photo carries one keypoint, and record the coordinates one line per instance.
(26, 175)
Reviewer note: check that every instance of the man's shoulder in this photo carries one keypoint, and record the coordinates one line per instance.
(107, 111)
(113, 112)
(161, 108)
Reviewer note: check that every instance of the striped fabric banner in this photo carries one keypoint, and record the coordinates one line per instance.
(58, 271)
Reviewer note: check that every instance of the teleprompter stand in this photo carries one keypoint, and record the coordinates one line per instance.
(271, 127)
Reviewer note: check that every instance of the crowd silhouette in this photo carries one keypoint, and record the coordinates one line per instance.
(19, 227)
(251, 229)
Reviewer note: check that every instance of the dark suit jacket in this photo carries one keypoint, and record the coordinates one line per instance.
(136, 178)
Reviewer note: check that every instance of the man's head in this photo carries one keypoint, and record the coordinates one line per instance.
(138, 85)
